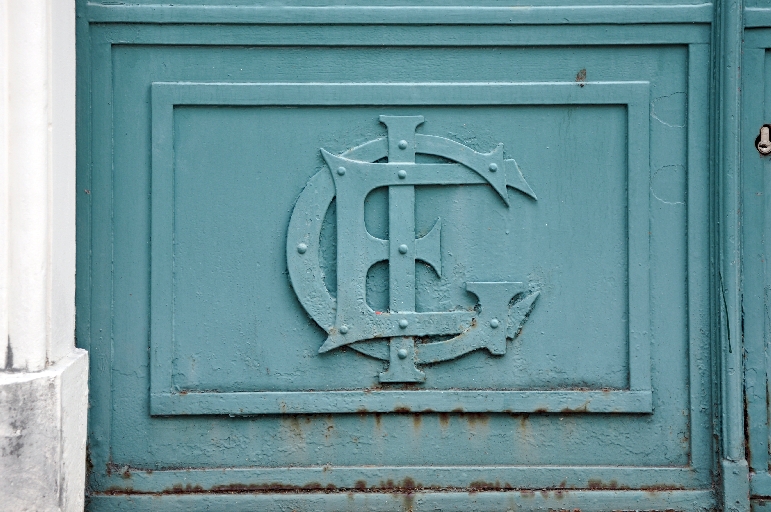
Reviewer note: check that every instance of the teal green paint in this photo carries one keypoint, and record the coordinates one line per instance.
(401, 15)
(594, 501)
(727, 48)
(229, 388)
(756, 75)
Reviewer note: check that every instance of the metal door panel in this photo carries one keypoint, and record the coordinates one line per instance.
(756, 109)
(207, 372)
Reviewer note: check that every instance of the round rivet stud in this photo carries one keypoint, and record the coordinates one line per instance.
(403, 248)
(493, 167)
(344, 329)
(494, 323)
(402, 144)
(301, 248)
(341, 171)
(402, 353)
(402, 174)
(403, 323)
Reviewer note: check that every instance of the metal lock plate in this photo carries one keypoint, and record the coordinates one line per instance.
(763, 140)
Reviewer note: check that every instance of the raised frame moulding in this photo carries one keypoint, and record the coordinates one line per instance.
(407, 15)
(166, 401)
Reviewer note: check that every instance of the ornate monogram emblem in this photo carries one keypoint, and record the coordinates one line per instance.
(349, 321)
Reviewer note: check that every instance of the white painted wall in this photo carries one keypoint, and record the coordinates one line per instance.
(43, 378)
(39, 186)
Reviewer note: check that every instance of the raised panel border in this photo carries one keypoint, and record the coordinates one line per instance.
(165, 401)
(109, 12)
(453, 501)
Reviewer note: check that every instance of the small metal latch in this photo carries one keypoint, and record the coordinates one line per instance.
(763, 142)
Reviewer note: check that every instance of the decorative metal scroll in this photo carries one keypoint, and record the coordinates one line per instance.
(349, 321)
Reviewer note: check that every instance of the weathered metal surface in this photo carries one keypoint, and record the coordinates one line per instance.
(319, 302)
(756, 109)
(228, 244)
(539, 500)
(355, 322)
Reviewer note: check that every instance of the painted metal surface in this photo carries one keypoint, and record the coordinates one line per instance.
(356, 324)
(756, 78)
(307, 274)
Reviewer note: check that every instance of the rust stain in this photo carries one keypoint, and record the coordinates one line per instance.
(661, 487)
(583, 408)
(596, 484)
(402, 409)
(292, 424)
(523, 422)
(272, 487)
(581, 77)
(747, 450)
(179, 489)
(408, 502)
(378, 420)
(444, 419)
(481, 485)
(476, 417)
(417, 419)
(406, 487)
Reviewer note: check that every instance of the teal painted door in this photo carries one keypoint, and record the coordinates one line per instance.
(756, 112)
(347, 258)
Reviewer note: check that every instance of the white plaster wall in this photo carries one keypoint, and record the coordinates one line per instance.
(43, 378)
(4, 213)
(62, 243)
(29, 177)
(37, 224)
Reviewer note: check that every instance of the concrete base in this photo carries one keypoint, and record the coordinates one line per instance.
(43, 436)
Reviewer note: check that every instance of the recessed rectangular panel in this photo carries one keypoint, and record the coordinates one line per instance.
(229, 335)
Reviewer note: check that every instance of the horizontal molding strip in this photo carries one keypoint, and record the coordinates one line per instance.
(383, 478)
(456, 36)
(760, 485)
(757, 17)
(417, 93)
(587, 501)
(328, 402)
(401, 15)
